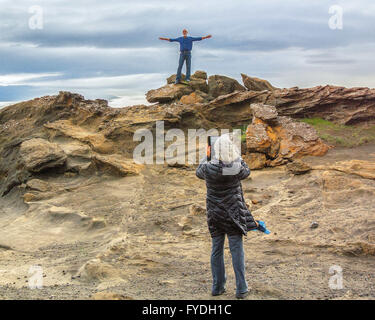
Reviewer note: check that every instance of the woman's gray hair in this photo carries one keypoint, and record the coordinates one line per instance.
(225, 150)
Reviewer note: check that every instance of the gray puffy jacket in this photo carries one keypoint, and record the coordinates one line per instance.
(226, 208)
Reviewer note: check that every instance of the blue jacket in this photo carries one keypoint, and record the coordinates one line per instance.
(186, 43)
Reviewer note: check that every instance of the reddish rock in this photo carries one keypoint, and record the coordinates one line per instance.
(280, 138)
(168, 93)
(255, 160)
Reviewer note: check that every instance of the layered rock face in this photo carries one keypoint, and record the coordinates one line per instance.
(337, 104)
(256, 84)
(199, 86)
(174, 92)
(68, 134)
(39, 154)
(273, 140)
(61, 134)
(73, 200)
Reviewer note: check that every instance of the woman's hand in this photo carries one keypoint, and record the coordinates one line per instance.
(262, 227)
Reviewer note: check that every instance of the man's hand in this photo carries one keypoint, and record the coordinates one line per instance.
(160, 38)
(207, 37)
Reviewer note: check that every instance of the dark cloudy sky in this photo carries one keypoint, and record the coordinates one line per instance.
(110, 49)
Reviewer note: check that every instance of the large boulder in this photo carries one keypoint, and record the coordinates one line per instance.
(255, 160)
(194, 97)
(281, 139)
(39, 154)
(168, 93)
(256, 84)
(198, 75)
(262, 138)
(297, 167)
(221, 85)
(198, 81)
(172, 79)
(173, 92)
(199, 85)
(263, 112)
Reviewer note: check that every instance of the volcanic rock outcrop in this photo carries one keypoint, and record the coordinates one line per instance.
(337, 104)
(272, 140)
(256, 84)
(55, 135)
(173, 92)
(74, 203)
(69, 134)
(199, 86)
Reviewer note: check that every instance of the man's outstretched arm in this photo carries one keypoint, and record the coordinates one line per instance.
(201, 38)
(169, 39)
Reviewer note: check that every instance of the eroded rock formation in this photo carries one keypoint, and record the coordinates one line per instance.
(59, 134)
(273, 140)
(67, 205)
(256, 84)
(66, 133)
(337, 104)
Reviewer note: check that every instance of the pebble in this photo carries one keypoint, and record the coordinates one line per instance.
(314, 225)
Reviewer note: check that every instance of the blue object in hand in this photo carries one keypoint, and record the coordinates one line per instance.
(262, 227)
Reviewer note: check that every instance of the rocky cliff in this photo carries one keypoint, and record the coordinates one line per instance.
(73, 201)
(338, 104)
(70, 134)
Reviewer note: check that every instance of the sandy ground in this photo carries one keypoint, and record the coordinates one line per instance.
(137, 238)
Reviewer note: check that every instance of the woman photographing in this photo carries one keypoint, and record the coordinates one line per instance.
(227, 213)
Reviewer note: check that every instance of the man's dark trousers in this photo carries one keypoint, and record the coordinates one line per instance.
(184, 55)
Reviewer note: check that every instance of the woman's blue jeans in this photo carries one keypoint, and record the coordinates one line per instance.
(184, 55)
(238, 262)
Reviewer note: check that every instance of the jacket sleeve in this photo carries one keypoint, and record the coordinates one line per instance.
(173, 40)
(196, 38)
(244, 171)
(251, 225)
(250, 221)
(201, 170)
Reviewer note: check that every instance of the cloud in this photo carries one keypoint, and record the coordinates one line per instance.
(124, 101)
(23, 78)
(110, 49)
